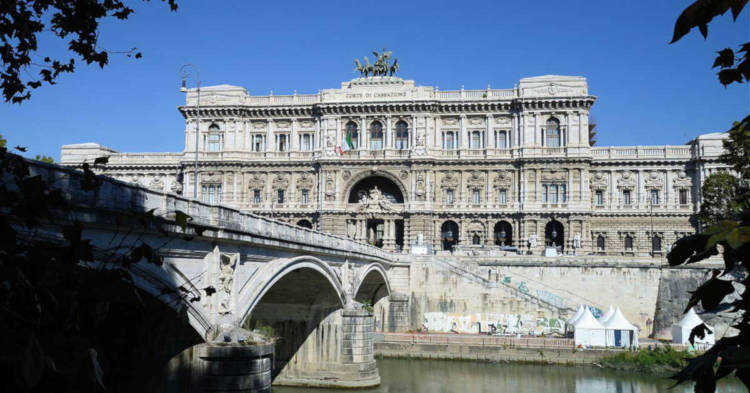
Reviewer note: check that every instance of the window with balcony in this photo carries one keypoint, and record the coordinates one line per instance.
(599, 197)
(449, 140)
(211, 193)
(477, 139)
(256, 196)
(402, 135)
(305, 197)
(305, 142)
(683, 197)
(553, 136)
(259, 142)
(376, 136)
(654, 197)
(502, 196)
(626, 197)
(282, 142)
(502, 140)
(352, 133)
(280, 196)
(449, 196)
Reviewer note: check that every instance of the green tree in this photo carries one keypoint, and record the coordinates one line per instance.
(74, 21)
(729, 234)
(718, 192)
(3, 141)
(43, 158)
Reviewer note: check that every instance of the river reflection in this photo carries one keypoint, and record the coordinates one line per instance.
(431, 376)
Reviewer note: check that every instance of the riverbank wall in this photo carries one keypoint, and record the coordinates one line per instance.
(535, 295)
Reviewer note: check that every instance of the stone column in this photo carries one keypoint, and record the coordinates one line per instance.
(294, 143)
(464, 137)
(362, 139)
(388, 142)
(270, 141)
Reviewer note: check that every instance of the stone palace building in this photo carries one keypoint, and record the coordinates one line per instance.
(425, 168)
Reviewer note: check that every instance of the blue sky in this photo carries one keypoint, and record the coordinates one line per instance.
(648, 92)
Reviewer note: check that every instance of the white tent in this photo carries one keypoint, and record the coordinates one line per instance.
(607, 314)
(681, 331)
(588, 331)
(620, 332)
(575, 316)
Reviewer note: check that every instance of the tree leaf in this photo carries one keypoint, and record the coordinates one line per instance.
(209, 290)
(182, 219)
(699, 331)
(725, 58)
(711, 293)
(101, 160)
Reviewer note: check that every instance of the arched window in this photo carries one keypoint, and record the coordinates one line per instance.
(656, 244)
(214, 140)
(628, 243)
(352, 134)
(600, 243)
(305, 224)
(476, 240)
(402, 135)
(376, 136)
(449, 235)
(553, 133)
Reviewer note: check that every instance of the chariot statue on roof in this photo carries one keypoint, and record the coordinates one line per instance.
(381, 67)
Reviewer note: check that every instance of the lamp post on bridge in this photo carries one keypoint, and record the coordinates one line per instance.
(185, 74)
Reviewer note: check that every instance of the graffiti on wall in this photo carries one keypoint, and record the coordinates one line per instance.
(492, 322)
(550, 298)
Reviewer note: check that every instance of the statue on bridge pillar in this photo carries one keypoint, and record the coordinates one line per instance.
(226, 279)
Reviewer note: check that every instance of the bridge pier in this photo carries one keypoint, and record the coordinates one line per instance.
(338, 353)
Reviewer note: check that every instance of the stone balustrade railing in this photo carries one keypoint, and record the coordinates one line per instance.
(115, 195)
(642, 152)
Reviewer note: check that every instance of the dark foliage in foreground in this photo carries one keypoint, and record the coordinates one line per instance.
(71, 317)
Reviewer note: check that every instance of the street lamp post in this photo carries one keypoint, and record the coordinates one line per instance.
(183, 88)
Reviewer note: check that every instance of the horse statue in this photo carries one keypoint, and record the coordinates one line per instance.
(394, 66)
(381, 66)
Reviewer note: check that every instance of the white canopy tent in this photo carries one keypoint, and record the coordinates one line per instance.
(620, 332)
(572, 320)
(681, 331)
(588, 331)
(607, 314)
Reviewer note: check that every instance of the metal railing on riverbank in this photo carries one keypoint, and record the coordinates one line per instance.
(475, 339)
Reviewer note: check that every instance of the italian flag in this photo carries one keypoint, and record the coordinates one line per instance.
(347, 145)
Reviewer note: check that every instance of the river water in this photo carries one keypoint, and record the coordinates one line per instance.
(435, 376)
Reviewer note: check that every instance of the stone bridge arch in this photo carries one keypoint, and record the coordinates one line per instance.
(371, 284)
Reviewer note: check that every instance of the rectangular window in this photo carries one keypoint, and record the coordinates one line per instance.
(258, 143)
(306, 142)
(214, 142)
(256, 196)
(502, 141)
(599, 198)
(476, 140)
(502, 196)
(626, 197)
(683, 197)
(304, 197)
(654, 197)
(211, 193)
(449, 196)
(553, 193)
(281, 144)
(544, 193)
(476, 196)
(280, 198)
(449, 142)
(563, 193)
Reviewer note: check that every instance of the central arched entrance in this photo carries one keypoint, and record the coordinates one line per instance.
(378, 220)
(503, 234)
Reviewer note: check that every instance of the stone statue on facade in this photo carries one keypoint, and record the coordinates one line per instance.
(177, 185)
(226, 279)
(533, 239)
(577, 240)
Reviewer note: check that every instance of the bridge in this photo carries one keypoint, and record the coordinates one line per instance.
(313, 291)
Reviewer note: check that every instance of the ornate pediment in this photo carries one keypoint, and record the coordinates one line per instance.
(626, 181)
(450, 180)
(305, 181)
(476, 121)
(449, 121)
(306, 124)
(258, 125)
(503, 180)
(682, 181)
(476, 179)
(257, 181)
(280, 182)
(654, 180)
(476, 227)
(211, 177)
(502, 121)
(554, 176)
(156, 183)
(599, 181)
(283, 124)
